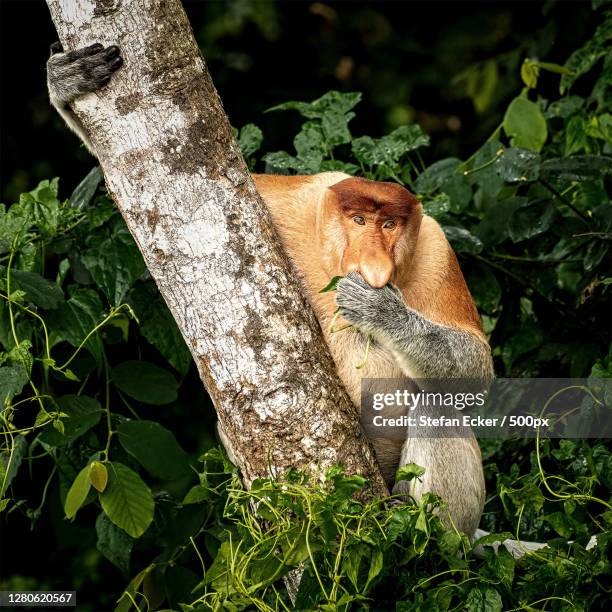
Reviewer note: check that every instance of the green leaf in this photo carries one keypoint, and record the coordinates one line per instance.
(155, 448)
(485, 288)
(249, 139)
(12, 380)
(82, 412)
(529, 73)
(74, 320)
(438, 206)
(310, 147)
(158, 326)
(114, 263)
(127, 501)
(481, 84)
(98, 476)
(525, 124)
(124, 603)
(42, 205)
(77, 493)
(462, 240)
(531, 219)
(113, 543)
(335, 128)
(145, 382)
(332, 285)
(434, 176)
(332, 101)
(564, 108)
(37, 289)
(582, 60)
(86, 189)
(576, 168)
(409, 471)
(518, 165)
(494, 226)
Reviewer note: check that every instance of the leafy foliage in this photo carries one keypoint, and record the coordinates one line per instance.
(88, 345)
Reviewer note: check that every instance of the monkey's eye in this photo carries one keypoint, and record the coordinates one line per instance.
(390, 224)
(359, 220)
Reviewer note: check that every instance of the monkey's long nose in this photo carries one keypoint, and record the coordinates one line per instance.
(376, 265)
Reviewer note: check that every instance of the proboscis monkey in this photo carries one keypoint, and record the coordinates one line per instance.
(402, 286)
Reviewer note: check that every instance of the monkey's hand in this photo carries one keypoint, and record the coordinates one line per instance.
(370, 310)
(78, 72)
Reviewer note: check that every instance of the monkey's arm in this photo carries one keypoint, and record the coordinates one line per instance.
(423, 349)
(73, 74)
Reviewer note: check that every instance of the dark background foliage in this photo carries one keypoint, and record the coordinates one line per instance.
(405, 57)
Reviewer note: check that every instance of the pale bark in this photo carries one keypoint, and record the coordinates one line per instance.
(175, 171)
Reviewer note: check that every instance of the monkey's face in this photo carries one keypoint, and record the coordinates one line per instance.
(370, 240)
(379, 222)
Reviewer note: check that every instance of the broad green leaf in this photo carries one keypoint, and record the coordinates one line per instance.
(438, 206)
(158, 326)
(335, 128)
(577, 168)
(518, 165)
(113, 543)
(145, 382)
(12, 380)
(376, 565)
(332, 101)
(481, 84)
(280, 161)
(124, 604)
(115, 263)
(485, 288)
(459, 190)
(86, 189)
(82, 412)
(310, 147)
(564, 108)
(525, 124)
(127, 501)
(582, 60)
(98, 476)
(576, 139)
(435, 175)
(409, 471)
(462, 240)
(75, 319)
(531, 219)
(42, 205)
(77, 493)
(37, 289)
(249, 139)
(155, 448)
(494, 227)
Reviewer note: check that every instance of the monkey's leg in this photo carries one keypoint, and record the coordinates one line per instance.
(73, 74)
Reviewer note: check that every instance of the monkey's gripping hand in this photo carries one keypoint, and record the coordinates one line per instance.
(423, 349)
(366, 307)
(73, 74)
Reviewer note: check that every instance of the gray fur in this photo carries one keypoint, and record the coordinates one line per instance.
(422, 348)
(76, 73)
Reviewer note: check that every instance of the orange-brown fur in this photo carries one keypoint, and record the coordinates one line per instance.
(313, 217)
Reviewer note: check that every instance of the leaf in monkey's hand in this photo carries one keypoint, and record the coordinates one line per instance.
(332, 285)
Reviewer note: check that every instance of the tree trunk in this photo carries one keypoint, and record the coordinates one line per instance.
(176, 173)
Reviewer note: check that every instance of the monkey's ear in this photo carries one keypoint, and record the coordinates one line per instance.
(56, 47)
